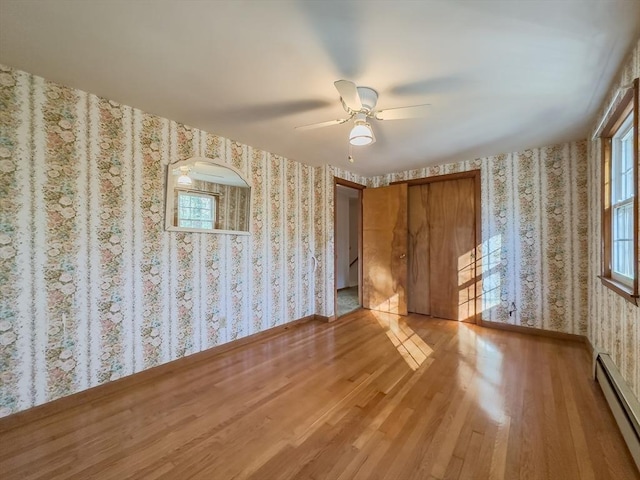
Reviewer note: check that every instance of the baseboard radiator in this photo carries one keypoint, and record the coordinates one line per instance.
(623, 403)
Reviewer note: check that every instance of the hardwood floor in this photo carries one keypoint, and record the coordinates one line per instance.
(371, 396)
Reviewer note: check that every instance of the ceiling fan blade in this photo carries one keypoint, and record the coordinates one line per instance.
(339, 121)
(414, 111)
(349, 94)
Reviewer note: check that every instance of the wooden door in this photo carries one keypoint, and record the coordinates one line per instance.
(384, 238)
(452, 218)
(419, 300)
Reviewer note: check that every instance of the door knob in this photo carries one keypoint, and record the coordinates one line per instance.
(403, 255)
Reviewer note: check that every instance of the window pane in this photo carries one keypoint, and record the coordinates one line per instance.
(627, 166)
(622, 238)
(622, 163)
(195, 211)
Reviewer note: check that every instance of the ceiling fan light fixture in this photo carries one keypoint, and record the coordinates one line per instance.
(360, 103)
(361, 134)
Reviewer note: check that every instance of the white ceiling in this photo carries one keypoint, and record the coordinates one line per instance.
(501, 75)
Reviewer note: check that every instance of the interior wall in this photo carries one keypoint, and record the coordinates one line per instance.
(93, 287)
(614, 323)
(534, 233)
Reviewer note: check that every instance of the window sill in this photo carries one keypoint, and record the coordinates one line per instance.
(621, 289)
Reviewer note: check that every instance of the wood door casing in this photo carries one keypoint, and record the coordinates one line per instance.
(452, 236)
(384, 235)
(418, 250)
(356, 186)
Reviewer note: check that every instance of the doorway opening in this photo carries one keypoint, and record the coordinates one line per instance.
(348, 246)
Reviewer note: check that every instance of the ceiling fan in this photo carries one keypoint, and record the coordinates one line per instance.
(360, 104)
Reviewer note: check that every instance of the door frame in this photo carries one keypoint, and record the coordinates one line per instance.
(357, 186)
(475, 175)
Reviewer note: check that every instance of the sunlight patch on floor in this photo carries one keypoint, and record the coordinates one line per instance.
(482, 361)
(408, 343)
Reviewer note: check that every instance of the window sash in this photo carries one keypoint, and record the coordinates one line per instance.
(622, 238)
(622, 162)
(196, 210)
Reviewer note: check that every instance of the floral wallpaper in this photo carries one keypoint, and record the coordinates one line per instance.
(534, 233)
(614, 323)
(93, 287)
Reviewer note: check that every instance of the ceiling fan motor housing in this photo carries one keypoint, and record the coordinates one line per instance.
(368, 98)
(360, 104)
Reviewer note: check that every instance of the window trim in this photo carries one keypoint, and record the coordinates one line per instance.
(627, 106)
(198, 193)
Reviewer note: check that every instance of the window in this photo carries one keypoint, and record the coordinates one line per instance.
(622, 268)
(620, 198)
(196, 210)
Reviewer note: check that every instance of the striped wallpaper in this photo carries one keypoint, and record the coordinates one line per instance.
(93, 287)
(614, 323)
(534, 233)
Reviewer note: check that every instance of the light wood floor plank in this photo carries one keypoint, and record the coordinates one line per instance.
(371, 396)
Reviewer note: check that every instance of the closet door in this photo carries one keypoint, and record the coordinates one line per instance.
(418, 277)
(451, 212)
(384, 249)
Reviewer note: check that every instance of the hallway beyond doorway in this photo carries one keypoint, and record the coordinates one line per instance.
(347, 300)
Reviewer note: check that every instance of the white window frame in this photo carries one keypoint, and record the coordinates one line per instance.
(622, 200)
(622, 124)
(180, 219)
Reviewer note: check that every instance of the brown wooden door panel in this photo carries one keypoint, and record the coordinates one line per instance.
(451, 248)
(418, 250)
(384, 238)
